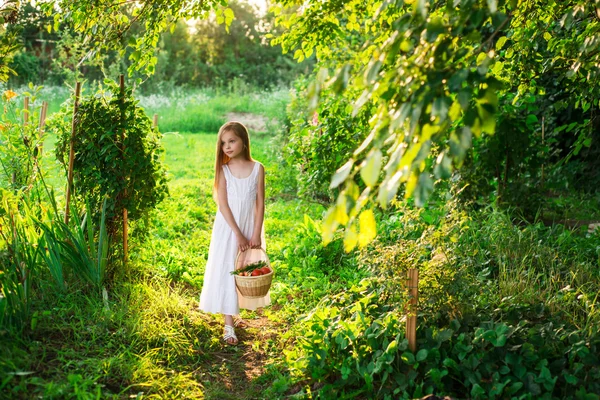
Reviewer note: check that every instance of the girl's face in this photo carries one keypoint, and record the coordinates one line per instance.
(231, 144)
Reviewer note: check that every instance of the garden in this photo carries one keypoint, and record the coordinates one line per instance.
(432, 208)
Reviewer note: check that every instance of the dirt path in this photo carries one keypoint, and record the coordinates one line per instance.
(254, 122)
(232, 372)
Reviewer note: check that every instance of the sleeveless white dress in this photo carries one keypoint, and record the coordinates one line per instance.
(219, 293)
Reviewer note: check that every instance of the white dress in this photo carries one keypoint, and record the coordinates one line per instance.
(219, 294)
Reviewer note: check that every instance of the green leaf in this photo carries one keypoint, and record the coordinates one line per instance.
(434, 28)
(372, 72)
(392, 347)
(367, 228)
(350, 238)
(443, 335)
(515, 387)
(443, 166)
(229, 15)
(370, 168)
(408, 357)
(423, 190)
(422, 355)
(477, 391)
(341, 174)
(420, 8)
(456, 80)
(501, 42)
(299, 55)
(531, 121)
(450, 363)
(440, 108)
(500, 341)
(341, 80)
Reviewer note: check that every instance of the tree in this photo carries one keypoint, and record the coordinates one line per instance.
(433, 71)
(103, 25)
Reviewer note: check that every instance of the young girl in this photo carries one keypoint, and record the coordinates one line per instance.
(239, 190)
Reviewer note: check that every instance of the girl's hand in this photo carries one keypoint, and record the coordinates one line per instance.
(255, 242)
(243, 243)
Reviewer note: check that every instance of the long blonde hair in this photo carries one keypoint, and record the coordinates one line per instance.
(221, 158)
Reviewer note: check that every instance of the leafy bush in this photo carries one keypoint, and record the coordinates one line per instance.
(504, 311)
(318, 144)
(117, 154)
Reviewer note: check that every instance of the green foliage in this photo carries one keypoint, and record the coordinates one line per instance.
(8, 37)
(105, 24)
(117, 154)
(433, 74)
(83, 248)
(19, 259)
(22, 143)
(503, 311)
(210, 54)
(320, 142)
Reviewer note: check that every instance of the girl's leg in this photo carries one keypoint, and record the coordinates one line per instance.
(229, 322)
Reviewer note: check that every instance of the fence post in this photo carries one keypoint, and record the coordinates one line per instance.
(411, 316)
(155, 121)
(72, 152)
(125, 222)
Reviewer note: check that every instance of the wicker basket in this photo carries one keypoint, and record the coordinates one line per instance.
(253, 287)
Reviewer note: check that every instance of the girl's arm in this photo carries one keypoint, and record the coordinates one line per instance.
(243, 243)
(255, 241)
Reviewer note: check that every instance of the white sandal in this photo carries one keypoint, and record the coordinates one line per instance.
(230, 334)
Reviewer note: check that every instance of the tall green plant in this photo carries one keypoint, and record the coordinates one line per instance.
(81, 247)
(19, 259)
(21, 143)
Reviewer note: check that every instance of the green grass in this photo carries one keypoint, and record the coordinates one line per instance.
(206, 110)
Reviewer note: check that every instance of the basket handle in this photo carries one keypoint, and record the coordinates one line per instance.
(235, 263)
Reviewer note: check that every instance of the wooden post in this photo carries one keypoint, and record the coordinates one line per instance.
(72, 153)
(125, 223)
(26, 111)
(411, 317)
(155, 121)
(543, 140)
(42, 125)
(43, 116)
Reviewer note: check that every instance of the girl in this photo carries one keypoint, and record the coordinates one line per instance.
(239, 190)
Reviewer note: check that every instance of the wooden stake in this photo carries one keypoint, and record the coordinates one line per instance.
(43, 116)
(543, 139)
(155, 121)
(26, 111)
(411, 317)
(125, 223)
(42, 126)
(72, 152)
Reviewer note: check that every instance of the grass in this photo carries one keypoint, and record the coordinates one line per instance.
(186, 110)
